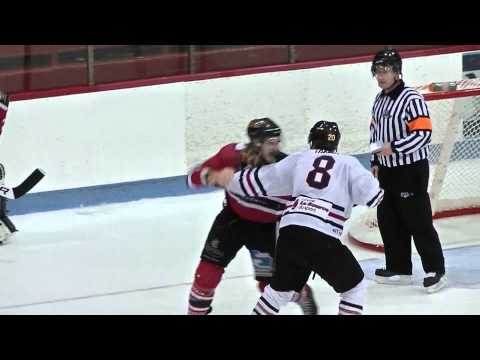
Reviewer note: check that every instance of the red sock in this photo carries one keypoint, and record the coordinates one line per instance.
(261, 285)
(207, 278)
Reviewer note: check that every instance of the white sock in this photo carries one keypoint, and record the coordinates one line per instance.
(352, 301)
(271, 301)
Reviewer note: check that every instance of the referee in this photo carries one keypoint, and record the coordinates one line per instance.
(400, 133)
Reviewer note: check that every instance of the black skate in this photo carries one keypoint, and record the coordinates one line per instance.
(434, 282)
(383, 276)
(307, 301)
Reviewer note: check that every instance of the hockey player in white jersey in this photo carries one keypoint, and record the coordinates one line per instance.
(6, 226)
(325, 186)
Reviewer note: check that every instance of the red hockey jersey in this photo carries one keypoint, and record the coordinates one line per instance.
(256, 209)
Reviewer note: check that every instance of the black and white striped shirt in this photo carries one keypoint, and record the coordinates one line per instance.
(401, 118)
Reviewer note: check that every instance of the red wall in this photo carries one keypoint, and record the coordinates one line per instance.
(33, 68)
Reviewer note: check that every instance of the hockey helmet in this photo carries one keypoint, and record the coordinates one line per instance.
(258, 130)
(324, 135)
(387, 58)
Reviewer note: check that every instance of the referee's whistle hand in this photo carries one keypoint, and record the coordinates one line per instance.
(385, 150)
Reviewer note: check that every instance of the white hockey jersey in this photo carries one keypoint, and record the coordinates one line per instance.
(325, 186)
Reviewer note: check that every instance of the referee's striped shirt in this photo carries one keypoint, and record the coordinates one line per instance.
(401, 118)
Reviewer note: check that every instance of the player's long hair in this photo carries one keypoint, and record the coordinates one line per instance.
(251, 155)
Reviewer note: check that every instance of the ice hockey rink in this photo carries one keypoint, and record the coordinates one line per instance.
(139, 258)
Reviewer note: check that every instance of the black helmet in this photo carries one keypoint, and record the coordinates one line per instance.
(387, 57)
(324, 135)
(260, 129)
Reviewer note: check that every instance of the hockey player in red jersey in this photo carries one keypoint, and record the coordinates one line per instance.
(3, 109)
(6, 225)
(243, 221)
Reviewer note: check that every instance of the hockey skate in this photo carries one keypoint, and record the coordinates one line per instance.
(307, 302)
(383, 276)
(434, 282)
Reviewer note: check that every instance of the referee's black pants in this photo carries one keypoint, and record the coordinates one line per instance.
(406, 212)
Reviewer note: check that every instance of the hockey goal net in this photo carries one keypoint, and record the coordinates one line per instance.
(454, 186)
